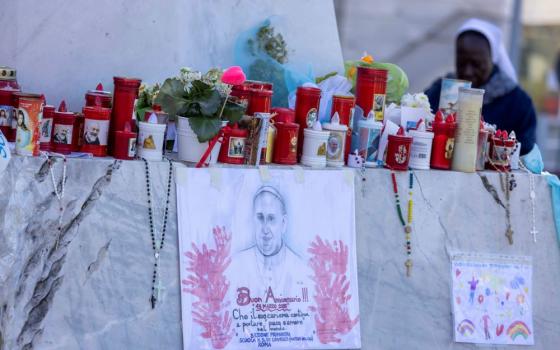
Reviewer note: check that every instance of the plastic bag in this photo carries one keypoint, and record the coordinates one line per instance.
(263, 54)
(397, 80)
(533, 160)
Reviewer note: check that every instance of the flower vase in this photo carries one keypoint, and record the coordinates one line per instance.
(189, 148)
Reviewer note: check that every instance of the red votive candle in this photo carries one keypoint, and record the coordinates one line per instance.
(259, 85)
(307, 110)
(232, 150)
(241, 94)
(8, 86)
(444, 141)
(371, 85)
(45, 134)
(286, 143)
(343, 105)
(125, 95)
(398, 151)
(99, 97)
(284, 115)
(96, 130)
(63, 130)
(125, 143)
(259, 102)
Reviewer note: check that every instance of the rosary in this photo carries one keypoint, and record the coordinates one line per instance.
(532, 197)
(59, 194)
(157, 245)
(408, 224)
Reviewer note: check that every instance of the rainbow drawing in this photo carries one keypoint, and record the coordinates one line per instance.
(518, 328)
(465, 327)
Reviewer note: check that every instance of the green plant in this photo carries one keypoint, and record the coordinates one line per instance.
(146, 97)
(200, 99)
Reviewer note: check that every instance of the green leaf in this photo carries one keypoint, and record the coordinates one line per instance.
(171, 97)
(233, 112)
(205, 128)
(210, 104)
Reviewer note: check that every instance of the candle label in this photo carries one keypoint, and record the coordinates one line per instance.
(335, 145)
(311, 117)
(401, 155)
(29, 116)
(6, 115)
(369, 143)
(132, 147)
(379, 106)
(500, 155)
(149, 140)
(449, 146)
(63, 134)
(236, 147)
(293, 144)
(95, 132)
(322, 149)
(46, 130)
(134, 109)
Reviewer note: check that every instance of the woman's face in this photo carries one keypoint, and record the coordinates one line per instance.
(20, 118)
(473, 59)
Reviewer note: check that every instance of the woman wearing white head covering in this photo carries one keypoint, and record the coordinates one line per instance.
(481, 58)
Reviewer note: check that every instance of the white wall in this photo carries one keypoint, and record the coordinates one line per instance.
(63, 48)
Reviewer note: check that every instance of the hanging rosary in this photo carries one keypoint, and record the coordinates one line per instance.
(408, 224)
(59, 194)
(507, 183)
(157, 245)
(533, 197)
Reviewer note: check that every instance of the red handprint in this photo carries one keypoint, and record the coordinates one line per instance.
(207, 282)
(329, 264)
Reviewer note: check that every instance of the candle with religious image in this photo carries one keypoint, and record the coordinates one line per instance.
(63, 130)
(124, 102)
(307, 111)
(8, 86)
(444, 141)
(232, 150)
(47, 125)
(502, 147)
(96, 130)
(286, 142)
(315, 146)
(336, 143)
(466, 136)
(398, 151)
(344, 106)
(125, 143)
(369, 131)
(371, 86)
(150, 139)
(29, 116)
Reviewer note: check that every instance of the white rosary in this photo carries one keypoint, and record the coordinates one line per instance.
(59, 194)
(533, 197)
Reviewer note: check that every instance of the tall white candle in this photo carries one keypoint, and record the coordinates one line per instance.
(468, 123)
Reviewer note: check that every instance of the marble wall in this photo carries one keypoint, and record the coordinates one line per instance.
(88, 288)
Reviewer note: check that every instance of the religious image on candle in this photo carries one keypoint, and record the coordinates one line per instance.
(267, 261)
